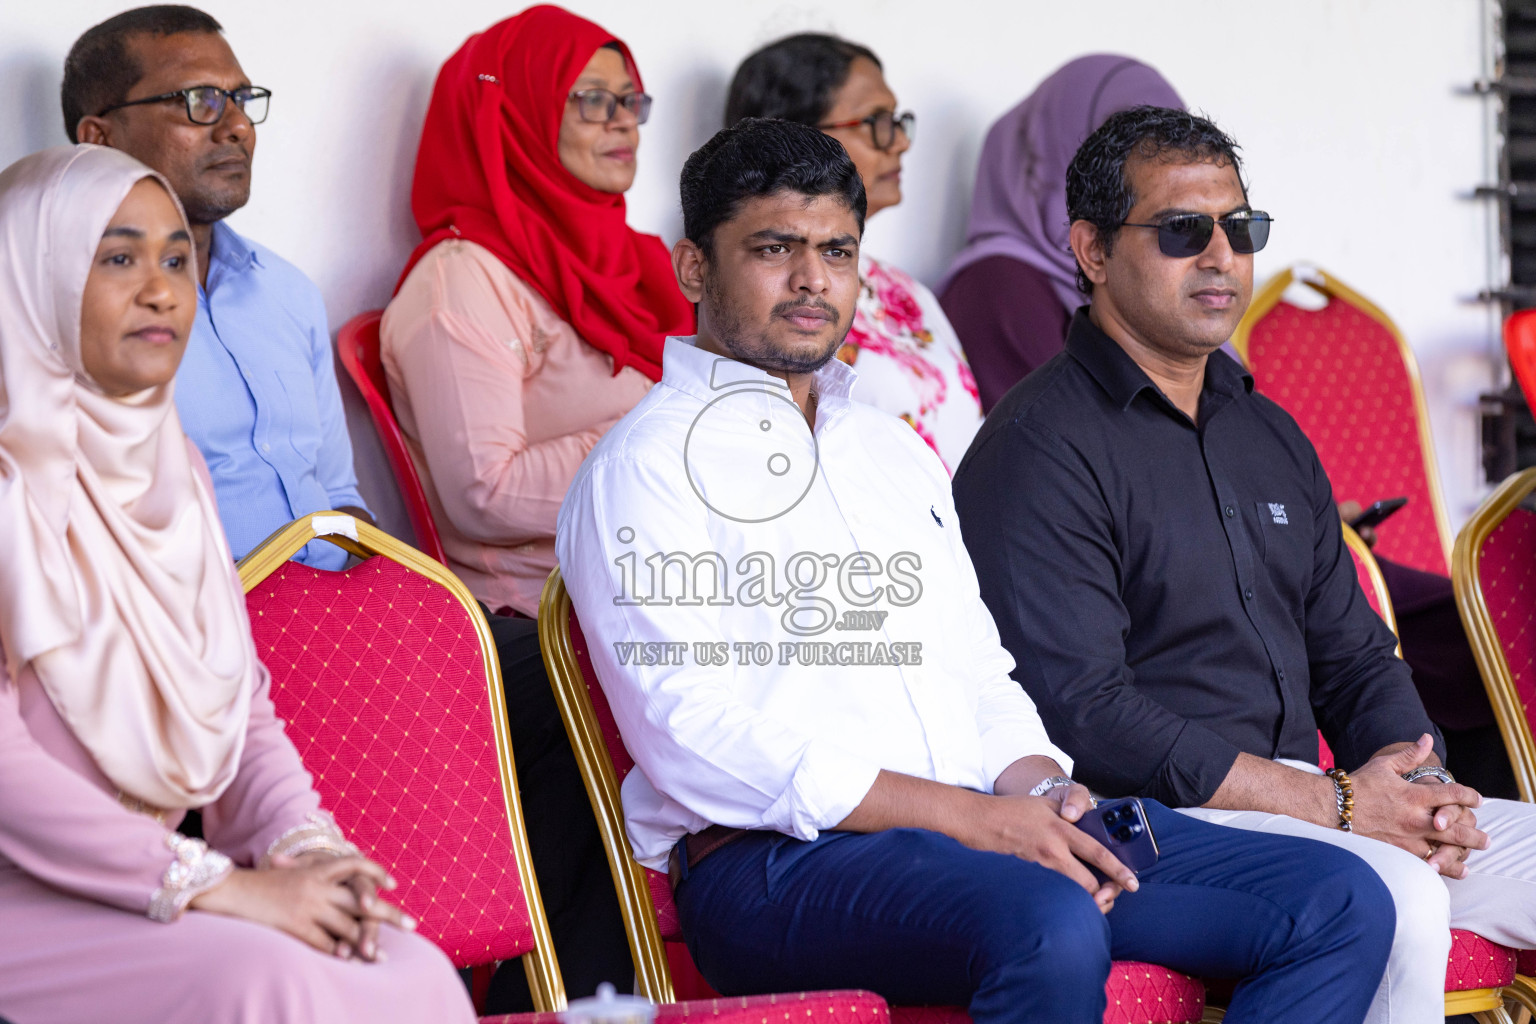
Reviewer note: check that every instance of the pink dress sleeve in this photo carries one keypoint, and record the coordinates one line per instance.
(64, 829)
(464, 363)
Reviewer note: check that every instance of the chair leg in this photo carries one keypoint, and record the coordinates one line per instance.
(1499, 1016)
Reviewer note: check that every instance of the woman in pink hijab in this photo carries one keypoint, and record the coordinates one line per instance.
(130, 690)
(1011, 289)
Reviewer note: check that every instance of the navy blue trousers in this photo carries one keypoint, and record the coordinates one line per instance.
(921, 919)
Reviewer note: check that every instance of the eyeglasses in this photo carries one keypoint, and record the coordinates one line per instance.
(882, 127)
(206, 103)
(1187, 234)
(599, 105)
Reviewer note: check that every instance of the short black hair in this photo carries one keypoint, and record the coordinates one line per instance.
(100, 70)
(794, 79)
(763, 157)
(1098, 189)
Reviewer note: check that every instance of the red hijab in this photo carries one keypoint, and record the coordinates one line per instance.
(489, 170)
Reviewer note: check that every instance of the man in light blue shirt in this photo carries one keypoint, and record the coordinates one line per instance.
(257, 388)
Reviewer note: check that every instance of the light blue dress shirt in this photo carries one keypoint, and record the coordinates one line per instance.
(257, 394)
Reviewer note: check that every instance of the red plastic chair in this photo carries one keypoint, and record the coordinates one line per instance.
(357, 343)
(1350, 380)
(1138, 993)
(1520, 345)
(387, 677)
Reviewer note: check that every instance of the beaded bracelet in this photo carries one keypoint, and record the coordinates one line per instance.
(1344, 792)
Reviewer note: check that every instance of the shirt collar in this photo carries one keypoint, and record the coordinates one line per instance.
(705, 375)
(228, 248)
(1120, 377)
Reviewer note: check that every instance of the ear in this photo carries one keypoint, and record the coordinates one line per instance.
(1089, 250)
(688, 265)
(95, 130)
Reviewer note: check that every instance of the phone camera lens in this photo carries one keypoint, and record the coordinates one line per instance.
(1124, 833)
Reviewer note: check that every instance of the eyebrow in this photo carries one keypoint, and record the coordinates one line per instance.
(179, 235)
(1175, 211)
(599, 82)
(789, 238)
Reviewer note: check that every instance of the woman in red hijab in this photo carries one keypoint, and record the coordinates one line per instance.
(530, 318)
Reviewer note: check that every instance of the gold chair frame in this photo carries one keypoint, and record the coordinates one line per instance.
(1325, 284)
(653, 976)
(539, 964)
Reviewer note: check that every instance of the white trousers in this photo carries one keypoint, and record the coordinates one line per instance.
(1497, 899)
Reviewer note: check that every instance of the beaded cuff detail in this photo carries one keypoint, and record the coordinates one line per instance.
(195, 870)
(319, 832)
(1344, 795)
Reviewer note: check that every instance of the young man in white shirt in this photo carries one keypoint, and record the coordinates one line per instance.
(846, 785)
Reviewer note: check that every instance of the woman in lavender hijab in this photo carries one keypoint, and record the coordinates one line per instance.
(1011, 289)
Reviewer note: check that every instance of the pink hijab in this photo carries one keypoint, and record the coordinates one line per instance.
(1020, 205)
(116, 587)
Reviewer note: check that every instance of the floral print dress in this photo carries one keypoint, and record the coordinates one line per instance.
(909, 361)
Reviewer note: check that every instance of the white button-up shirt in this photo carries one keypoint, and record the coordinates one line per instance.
(777, 614)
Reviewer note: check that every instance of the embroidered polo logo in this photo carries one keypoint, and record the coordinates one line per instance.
(1277, 513)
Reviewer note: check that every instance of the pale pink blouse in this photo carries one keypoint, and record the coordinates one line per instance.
(499, 401)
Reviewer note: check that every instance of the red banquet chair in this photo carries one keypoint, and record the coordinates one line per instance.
(357, 343)
(1494, 572)
(1479, 973)
(1350, 380)
(1138, 993)
(387, 678)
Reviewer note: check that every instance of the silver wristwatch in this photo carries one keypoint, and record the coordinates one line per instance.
(1429, 771)
(1046, 785)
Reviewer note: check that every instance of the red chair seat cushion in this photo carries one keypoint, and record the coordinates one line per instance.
(1148, 994)
(841, 1007)
(1138, 994)
(1475, 962)
(1525, 962)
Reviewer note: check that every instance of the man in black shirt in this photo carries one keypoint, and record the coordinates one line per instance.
(1160, 548)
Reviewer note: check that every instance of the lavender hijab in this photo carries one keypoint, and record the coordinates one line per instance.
(1020, 205)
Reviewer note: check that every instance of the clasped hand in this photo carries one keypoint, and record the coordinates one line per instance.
(1432, 820)
(330, 902)
(1041, 829)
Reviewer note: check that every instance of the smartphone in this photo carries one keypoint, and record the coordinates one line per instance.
(1122, 828)
(1377, 513)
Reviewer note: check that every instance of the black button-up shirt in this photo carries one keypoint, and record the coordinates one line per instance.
(1173, 593)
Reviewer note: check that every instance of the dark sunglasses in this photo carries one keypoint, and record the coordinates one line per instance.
(882, 127)
(599, 105)
(1187, 234)
(206, 103)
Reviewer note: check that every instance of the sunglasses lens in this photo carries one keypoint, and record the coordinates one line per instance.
(1248, 234)
(1185, 236)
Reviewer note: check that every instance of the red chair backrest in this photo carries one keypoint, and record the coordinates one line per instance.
(379, 674)
(1507, 572)
(1520, 344)
(357, 343)
(1341, 373)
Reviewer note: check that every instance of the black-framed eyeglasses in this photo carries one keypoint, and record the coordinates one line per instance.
(206, 103)
(599, 105)
(1187, 234)
(882, 127)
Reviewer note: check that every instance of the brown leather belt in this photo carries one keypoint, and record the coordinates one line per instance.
(700, 845)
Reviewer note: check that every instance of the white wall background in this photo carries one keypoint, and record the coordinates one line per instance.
(1353, 116)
